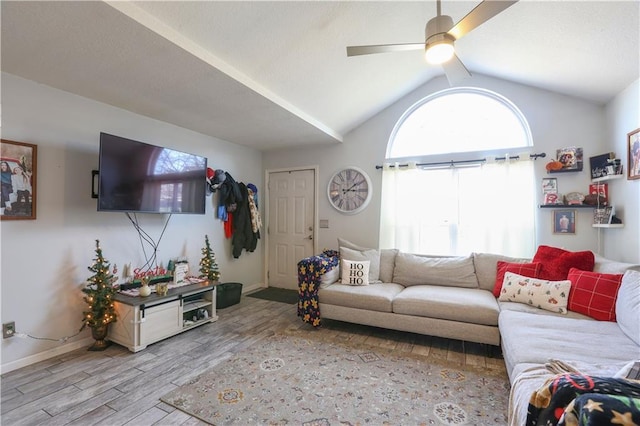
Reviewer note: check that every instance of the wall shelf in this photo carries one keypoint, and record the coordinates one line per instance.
(566, 206)
(608, 177)
(551, 172)
(586, 206)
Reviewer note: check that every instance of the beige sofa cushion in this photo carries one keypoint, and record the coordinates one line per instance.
(377, 297)
(387, 259)
(486, 265)
(413, 269)
(387, 264)
(535, 339)
(470, 305)
(628, 306)
(606, 266)
(348, 244)
(521, 307)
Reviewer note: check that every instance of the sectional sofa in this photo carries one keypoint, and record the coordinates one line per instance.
(497, 300)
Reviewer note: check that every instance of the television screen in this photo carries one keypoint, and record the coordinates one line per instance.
(139, 177)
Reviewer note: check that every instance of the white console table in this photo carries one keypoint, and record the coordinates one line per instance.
(146, 320)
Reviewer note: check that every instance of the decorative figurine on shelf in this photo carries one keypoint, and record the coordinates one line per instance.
(144, 290)
(162, 289)
(99, 293)
(208, 266)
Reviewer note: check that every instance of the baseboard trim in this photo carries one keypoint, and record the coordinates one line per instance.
(42, 356)
(253, 287)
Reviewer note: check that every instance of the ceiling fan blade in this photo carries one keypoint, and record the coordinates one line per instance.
(479, 15)
(382, 48)
(455, 71)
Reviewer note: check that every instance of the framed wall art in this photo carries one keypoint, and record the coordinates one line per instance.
(571, 158)
(633, 144)
(564, 222)
(18, 166)
(603, 215)
(549, 185)
(599, 163)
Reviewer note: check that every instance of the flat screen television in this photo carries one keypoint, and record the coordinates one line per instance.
(140, 177)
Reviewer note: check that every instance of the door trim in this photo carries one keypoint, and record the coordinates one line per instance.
(267, 172)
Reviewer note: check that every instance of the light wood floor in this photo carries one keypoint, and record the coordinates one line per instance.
(117, 387)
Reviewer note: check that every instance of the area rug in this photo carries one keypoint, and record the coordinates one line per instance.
(288, 380)
(275, 294)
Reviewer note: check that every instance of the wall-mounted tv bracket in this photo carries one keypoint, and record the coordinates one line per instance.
(94, 185)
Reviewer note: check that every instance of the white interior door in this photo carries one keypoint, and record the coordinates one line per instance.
(291, 221)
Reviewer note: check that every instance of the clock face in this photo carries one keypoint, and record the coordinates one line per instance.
(349, 190)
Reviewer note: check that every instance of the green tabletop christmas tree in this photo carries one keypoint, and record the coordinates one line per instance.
(99, 293)
(208, 266)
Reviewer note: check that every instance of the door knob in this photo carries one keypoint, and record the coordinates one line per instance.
(310, 237)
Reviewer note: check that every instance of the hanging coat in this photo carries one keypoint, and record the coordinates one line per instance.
(243, 235)
(256, 220)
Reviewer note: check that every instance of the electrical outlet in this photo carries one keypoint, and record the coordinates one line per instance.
(8, 329)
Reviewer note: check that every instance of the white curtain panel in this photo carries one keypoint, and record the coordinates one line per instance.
(460, 210)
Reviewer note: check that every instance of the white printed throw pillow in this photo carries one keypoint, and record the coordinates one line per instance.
(355, 272)
(372, 255)
(549, 295)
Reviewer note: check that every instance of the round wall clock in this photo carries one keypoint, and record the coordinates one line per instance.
(349, 190)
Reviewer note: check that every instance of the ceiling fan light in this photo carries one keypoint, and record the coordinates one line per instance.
(439, 51)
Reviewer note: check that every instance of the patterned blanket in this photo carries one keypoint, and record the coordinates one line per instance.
(310, 271)
(577, 399)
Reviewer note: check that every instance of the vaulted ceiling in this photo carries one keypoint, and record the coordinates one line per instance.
(275, 74)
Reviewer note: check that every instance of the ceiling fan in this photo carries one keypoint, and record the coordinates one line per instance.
(440, 36)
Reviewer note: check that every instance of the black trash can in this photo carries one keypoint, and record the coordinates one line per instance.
(228, 294)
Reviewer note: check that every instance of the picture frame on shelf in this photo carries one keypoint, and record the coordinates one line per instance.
(18, 164)
(599, 163)
(633, 146)
(552, 198)
(602, 216)
(564, 222)
(549, 185)
(180, 272)
(598, 193)
(571, 158)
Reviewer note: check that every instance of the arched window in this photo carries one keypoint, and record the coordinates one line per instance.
(459, 120)
(456, 210)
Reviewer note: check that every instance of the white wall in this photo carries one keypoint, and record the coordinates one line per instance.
(623, 116)
(556, 121)
(44, 261)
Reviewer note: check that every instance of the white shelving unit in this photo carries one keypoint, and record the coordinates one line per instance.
(605, 179)
(608, 177)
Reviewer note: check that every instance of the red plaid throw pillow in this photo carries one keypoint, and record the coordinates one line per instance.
(594, 294)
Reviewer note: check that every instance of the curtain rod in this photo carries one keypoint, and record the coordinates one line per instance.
(479, 160)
